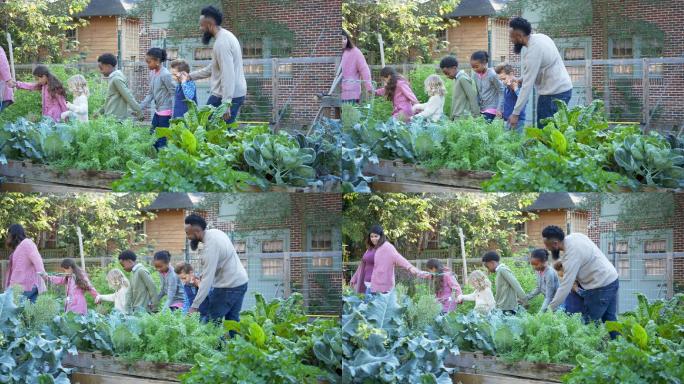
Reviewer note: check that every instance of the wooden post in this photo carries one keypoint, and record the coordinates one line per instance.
(382, 50)
(645, 104)
(589, 78)
(670, 275)
(11, 56)
(287, 285)
(80, 246)
(274, 93)
(463, 254)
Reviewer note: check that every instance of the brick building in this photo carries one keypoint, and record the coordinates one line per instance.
(649, 256)
(267, 30)
(286, 242)
(621, 30)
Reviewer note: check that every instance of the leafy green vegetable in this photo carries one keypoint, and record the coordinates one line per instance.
(278, 159)
(649, 160)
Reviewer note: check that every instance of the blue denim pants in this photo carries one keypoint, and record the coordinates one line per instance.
(600, 304)
(234, 107)
(225, 303)
(546, 107)
(160, 121)
(31, 295)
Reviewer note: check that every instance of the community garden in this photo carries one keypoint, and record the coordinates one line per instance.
(576, 150)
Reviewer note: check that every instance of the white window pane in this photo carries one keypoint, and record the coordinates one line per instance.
(655, 246)
(272, 267)
(654, 267)
(240, 247)
(272, 246)
(623, 268)
(322, 262)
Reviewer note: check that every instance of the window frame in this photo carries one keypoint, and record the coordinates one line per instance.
(637, 48)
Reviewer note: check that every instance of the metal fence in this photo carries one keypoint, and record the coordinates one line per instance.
(655, 275)
(646, 92)
(279, 91)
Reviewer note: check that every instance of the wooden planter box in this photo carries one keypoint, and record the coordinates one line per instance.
(26, 173)
(99, 364)
(478, 363)
(397, 176)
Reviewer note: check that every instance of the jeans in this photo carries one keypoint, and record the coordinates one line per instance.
(5, 104)
(488, 117)
(600, 304)
(352, 101)
(216, 101)
(509, 312)
(225, 303)
(546, 107)
(31, 295)
(160, 121)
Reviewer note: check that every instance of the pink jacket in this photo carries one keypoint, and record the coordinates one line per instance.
(386, 258)
(403, 100)
(445, 296)
(75, 297)
(24, 265)
(53, 107)
(354, 68)
(5, 75)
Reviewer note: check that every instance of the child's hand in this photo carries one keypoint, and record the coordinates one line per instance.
(459, 299)
(98, 299)
(499, 114)
(69, 105)
(184, 77)
(11, 83)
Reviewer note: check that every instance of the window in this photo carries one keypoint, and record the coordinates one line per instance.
(139, 228)
(245, 263)
(321, 240)
(272, 246)
(654, 267)
(202, 54)
(521, 228)
(253, 49)
(172, 53)
(240, 247)
(272, 267)
(655, 246)
(634, 48)
(71, 39)
(623, 268)
(575, 53)
(577, 74)
(621, 248)
(266, 48)
(322, 262)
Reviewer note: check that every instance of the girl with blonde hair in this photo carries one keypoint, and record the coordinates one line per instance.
(434, 108)
(483, 296)
(78, 110)
(118, 282)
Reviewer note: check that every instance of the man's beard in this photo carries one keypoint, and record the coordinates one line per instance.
(194, 244)
(206, 38)
(517, 48)
(555, 254)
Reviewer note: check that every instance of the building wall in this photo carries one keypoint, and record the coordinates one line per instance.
(98, 37)
(468, 36)
(167, 231)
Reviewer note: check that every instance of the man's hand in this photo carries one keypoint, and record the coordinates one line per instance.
(192, 310)
(513, 120)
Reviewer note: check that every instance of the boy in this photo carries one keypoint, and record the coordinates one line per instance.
(191, 282)
(186, 88)
(119, 98)
(511, 91)
(464, 100)
(142, 294)
(508, 289)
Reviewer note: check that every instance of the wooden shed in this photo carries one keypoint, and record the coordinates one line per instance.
(166, 231)
(561, 209)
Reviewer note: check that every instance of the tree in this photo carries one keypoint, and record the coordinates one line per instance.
(408, 27)
(107, 220)
(184, 21)
(38, 27)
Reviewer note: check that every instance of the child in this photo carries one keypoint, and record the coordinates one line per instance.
(464, 100)
(190, 284)
(6, 92)
(508, 289)
(119, 98)
(161, 92)
(79, 109)
(398, 91)
(142, 293)
(186, 88)
(118, 282)
(77, 284)
(511, 92)
(171, 287)
(444, 285)
(434, 108)
(489, 89)
(547, 279)
(483, 297)
(574, 303)
(51, 89)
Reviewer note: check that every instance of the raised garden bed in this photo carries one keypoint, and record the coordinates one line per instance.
(479, 363)
(97, 363)
(397, 176)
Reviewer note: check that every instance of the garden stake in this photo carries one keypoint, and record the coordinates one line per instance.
(11, 56)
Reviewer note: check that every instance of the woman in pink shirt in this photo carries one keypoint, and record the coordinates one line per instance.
(355, 71)
(25, 263)
(444, 285)
(77, 284)
(398, 91)
(52, 92)
(375, 273)
(6, 92)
